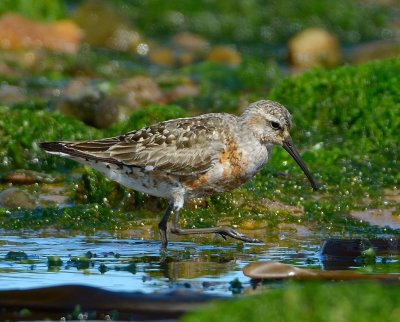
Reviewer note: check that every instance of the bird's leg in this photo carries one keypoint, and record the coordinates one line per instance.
(223, 231)
(162, 225)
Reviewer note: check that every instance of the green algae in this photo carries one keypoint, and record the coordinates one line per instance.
(309, 302)
(79, 262)
(88, 218)
(93, 187)
(345, 126)
(54, 261)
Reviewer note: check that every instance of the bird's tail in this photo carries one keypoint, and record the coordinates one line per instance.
(81, 151)
(55, 147)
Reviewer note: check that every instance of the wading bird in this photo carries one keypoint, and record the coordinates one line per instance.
(190, 157)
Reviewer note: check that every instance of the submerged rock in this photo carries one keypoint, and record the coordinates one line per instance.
(54, 261)
(14, 198)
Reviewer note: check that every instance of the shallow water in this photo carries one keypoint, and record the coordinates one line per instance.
(140, 265)
(203, 267)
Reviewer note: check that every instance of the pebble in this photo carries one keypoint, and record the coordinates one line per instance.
(225, 55)
(136, 92)
(190, 42)
(163, 56)
(314, 47)
(17, 32)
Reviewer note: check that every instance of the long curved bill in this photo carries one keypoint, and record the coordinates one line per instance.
(289, 147)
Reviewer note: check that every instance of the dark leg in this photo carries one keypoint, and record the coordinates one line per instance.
(162, 226)
(223, 231)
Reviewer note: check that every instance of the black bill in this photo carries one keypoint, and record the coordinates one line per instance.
(289, 147)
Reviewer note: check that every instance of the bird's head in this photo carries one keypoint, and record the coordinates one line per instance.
(270, 123)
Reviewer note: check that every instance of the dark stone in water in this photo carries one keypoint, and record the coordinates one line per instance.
(344, 253)
(16, 256)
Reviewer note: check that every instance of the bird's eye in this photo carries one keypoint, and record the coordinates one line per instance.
(275, 125)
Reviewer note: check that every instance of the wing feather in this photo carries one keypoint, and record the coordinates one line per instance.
(181, 146)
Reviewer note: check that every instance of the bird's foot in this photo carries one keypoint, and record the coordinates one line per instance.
(224, 232)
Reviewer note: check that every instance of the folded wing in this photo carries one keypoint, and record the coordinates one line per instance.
(181, 147)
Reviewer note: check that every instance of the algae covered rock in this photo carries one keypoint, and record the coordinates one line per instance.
(20, 130)
(359, 103)
(265, 22)
(93, 187)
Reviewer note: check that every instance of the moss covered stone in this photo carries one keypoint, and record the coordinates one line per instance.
(20, 130)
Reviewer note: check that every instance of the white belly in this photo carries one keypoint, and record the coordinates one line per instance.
(137, 179)
(140, 180)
